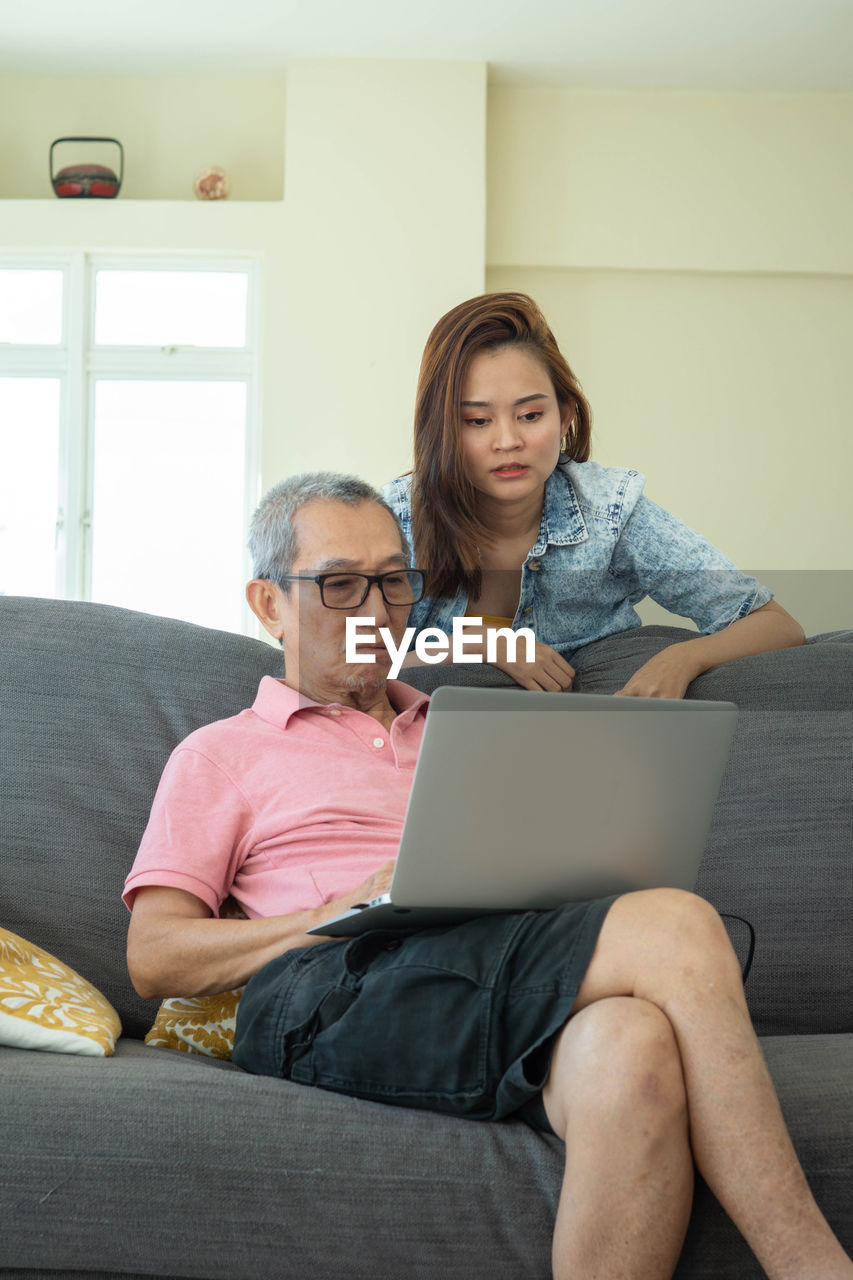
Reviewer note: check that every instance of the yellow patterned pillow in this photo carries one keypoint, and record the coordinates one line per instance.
(197, 1024)
(46, 1005)
(200, 1024)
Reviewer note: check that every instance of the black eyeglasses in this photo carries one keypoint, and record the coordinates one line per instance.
(349, 590)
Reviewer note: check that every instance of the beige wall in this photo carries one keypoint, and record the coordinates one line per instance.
(705, 182)
(169, 128)
(730, 392)
(694, 254)
(382, 227)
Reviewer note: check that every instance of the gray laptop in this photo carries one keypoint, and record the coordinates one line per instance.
(527, 800)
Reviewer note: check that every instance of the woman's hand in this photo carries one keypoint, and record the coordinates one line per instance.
(548, 671)
(666, 675)
(669, 672)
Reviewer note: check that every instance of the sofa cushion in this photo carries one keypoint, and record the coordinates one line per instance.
(92, 700)
(171, 1164)
(779, 849)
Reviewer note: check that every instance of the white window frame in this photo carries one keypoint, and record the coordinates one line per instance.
(79, 364)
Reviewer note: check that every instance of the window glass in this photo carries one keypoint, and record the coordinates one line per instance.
(29, 483)
(167, 517)
(171, 308)
(30, 305)
(118, 484)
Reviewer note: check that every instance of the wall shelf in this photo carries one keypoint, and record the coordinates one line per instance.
(226, 226)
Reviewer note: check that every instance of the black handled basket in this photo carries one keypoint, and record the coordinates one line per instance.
(90, 180)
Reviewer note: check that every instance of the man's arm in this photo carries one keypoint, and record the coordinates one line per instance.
(176, 948)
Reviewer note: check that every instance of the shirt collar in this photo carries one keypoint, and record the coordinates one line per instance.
(276, 702)
(562, 523)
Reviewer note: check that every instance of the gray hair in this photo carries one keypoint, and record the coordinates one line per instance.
(272, 538)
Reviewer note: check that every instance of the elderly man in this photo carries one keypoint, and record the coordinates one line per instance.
(620, 1025)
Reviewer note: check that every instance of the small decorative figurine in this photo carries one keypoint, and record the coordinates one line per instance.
(211, 183)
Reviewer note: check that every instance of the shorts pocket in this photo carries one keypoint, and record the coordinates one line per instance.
(414, 1035)
(298, 1042)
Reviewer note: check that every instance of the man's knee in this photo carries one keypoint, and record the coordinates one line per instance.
(674, 928)
(619, 1034)
(694, 930)
(657, 944)
(618, 1056)
(679, 908)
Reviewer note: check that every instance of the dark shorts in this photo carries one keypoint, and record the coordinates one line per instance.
(456, 1019)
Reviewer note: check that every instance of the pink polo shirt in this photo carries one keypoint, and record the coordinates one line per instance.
(285, 806)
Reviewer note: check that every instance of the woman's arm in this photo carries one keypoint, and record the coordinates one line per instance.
(669, 672)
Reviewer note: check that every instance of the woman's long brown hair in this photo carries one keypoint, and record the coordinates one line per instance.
(445, 525)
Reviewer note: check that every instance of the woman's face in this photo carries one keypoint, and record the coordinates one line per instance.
(512, 424)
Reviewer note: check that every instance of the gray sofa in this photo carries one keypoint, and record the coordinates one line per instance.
(166, 1164)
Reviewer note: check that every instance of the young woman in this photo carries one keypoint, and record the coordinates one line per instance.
(513, 524)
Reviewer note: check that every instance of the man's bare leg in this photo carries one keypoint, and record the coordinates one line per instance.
(615, 1095)
(671, 949)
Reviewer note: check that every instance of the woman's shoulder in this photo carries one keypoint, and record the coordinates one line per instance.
(611, 492)
(398, 494)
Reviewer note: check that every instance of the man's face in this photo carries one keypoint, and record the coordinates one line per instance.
(334, 536)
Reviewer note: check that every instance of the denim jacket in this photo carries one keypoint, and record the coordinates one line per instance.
(603, 546)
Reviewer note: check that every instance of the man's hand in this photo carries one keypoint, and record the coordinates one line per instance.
(373, 887)
(548, 670)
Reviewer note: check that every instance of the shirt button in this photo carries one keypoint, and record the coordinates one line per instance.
(334, 711)
(533, 564)
(528, 611)
(379, 742)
